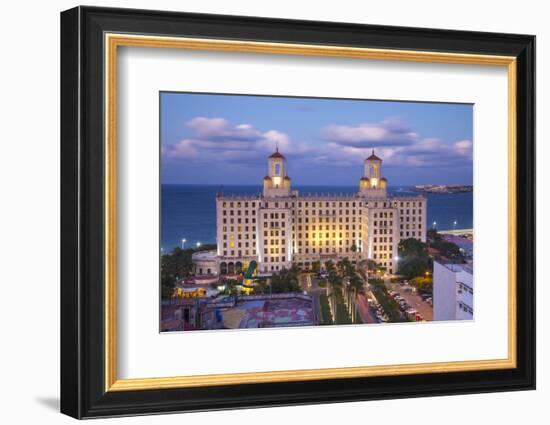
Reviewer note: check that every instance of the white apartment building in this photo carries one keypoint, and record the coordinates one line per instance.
(453, 292)
(281, 226)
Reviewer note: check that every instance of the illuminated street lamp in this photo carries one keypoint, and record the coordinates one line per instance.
(454, 225)
(198, 244)
(183, 243)
(434, 224)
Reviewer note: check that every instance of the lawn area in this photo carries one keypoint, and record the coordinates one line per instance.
(326, 318)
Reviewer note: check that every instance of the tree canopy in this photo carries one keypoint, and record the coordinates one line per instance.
(413, 258)
(177, 265)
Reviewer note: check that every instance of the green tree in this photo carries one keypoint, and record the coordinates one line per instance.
(433, 235)
(231, 287)
(173, 266)
(413, 258)
(423, 284)
(448, 250)
(176, 265)
(286, 280)
(316, 266)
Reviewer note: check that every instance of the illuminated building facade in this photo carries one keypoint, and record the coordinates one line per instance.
(280, 226)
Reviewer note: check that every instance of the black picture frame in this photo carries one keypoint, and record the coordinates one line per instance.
(83, 392)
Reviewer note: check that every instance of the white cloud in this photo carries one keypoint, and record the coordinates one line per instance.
(389, 132)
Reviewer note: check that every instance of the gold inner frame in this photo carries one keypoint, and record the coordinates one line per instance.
(113, 41)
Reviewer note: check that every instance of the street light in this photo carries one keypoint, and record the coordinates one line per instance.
(434, 224)
(183, 243)
(198, 244)
(454, 225)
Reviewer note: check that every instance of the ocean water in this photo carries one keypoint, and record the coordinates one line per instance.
(189, 211)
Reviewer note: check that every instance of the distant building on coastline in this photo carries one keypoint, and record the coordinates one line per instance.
(453, 291)
(272, 230)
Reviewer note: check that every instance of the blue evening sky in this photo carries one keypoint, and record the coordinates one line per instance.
(225, 139)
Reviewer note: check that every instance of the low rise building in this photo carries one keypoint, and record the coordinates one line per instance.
(453, 291)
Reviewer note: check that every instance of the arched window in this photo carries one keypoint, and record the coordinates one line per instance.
(277, 169)
(374, 170)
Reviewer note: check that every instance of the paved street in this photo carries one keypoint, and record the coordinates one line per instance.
(366, 313)
(414, 300)
(309, 284)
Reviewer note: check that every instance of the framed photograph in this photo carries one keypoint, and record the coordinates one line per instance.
(261, 212)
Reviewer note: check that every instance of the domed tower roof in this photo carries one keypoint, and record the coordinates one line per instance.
(277, 155)
(364, 178)
(287, 178)
(267, 178)
(373, 157)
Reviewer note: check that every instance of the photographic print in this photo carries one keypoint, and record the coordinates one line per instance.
(292, 211)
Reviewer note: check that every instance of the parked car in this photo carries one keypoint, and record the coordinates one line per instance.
(411, 314)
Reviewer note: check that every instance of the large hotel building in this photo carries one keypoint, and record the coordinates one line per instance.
(282, 226)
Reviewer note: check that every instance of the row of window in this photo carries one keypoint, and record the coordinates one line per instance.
(329, 212)
(410, 212)
(408, 234)
(465, 307)
(275, 250)
(382, 248)
(383, 223)
(327, 227)
(383, 214)
(274, 216)
(239, 221)
(239, 244)
(387, 264)
(411, 226)
(247, 253)
(326, 235)
(327, 204)
(240, 229)
(462, 287)
(327, 242)
(274, 224)
(383, 239)
(274, 242)
(329, 250)
(327, 219)
(239, 236)
(274, 259)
